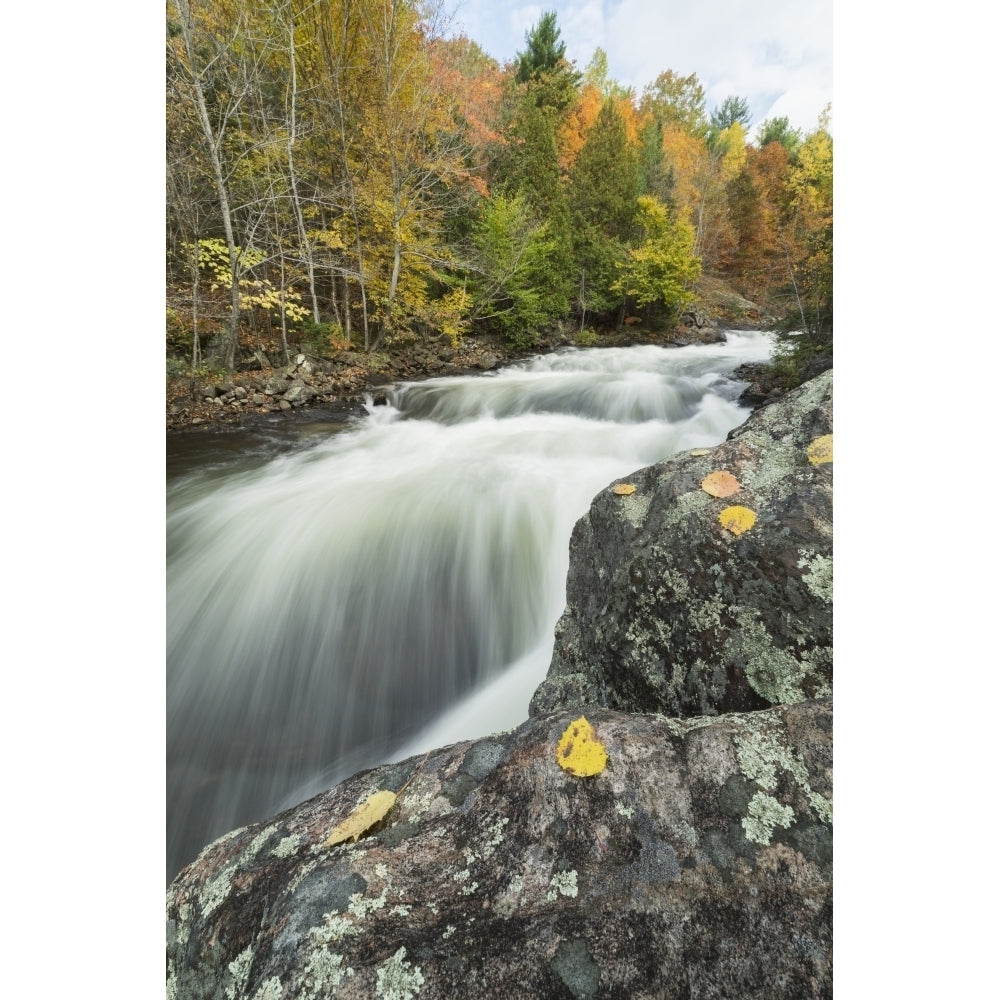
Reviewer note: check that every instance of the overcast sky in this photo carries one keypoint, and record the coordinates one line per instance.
(776, 53)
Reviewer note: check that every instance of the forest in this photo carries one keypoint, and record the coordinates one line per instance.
(342, 174)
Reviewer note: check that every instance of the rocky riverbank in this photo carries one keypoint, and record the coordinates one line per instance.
(683, 849)
(339, 383)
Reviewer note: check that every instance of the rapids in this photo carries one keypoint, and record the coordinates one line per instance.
(355, 594)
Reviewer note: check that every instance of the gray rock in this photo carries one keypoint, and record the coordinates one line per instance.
(298, 392)
(667, 611)
(278, 382)
(696, 864)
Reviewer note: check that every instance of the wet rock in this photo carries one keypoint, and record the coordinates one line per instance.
(667, 611)
(696, 864)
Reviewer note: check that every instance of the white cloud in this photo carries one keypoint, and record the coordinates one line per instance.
(775, 53)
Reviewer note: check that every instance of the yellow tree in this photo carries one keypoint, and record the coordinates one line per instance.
(811, 227)
(395, 151)
(700, 170)
(408, 153)
(205, 76)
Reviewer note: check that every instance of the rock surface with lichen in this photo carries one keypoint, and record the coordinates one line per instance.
(668, 611)
(697, 863)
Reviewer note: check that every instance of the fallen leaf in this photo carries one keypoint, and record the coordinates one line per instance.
(720, 484)
(624, 489)
(737, 519)
(698, 452)
(820, 450)
(364, 817)
(580, 751)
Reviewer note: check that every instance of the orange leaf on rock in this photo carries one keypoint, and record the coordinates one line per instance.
(720, 484)
(737, 519)
(624, 489)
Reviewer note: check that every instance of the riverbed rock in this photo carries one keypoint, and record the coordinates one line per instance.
(298, 392)
(697, 863)
(668, 611)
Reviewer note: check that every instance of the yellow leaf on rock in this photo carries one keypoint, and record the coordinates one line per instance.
(737, 519)
(624, 489)
(580, 751)
(720, 484)
(698, 452)
(364, 817)
(820, 450)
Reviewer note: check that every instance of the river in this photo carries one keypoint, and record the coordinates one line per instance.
(342, 595)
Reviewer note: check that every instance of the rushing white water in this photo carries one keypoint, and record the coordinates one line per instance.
(394, 586)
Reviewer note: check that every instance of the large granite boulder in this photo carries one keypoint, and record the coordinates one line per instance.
(696, 864)
(668, 611)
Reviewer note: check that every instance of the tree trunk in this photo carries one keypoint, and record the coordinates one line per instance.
(293, 180)
(195, 291)
(212, 141)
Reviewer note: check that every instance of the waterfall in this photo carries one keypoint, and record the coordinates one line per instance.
(368, 591)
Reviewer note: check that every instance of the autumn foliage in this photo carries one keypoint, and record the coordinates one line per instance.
(348, 172)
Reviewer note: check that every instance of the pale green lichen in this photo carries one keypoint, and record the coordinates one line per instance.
(774, 673)
(763, 814)
(269, 990)
(401, 910)
(496, 836)
(286, 847)
(623, 810)
(562, 882)
(448, 931)
(706, 615)
(685, 505)
(760, 753)
(398, 979)
(215, 890)
(678, 584)
(239, 969)
(634, 508)
(323, 974)
(819, 579)
(337, 926)
(777, 676)
(361, 907)
(464, 876)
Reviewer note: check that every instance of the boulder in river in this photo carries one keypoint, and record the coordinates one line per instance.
(670, 611)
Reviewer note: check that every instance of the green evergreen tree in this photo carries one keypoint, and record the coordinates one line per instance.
(732, 109)
(779, 130)
(603, 186)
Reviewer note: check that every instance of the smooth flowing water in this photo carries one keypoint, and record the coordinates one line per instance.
(357, 593)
